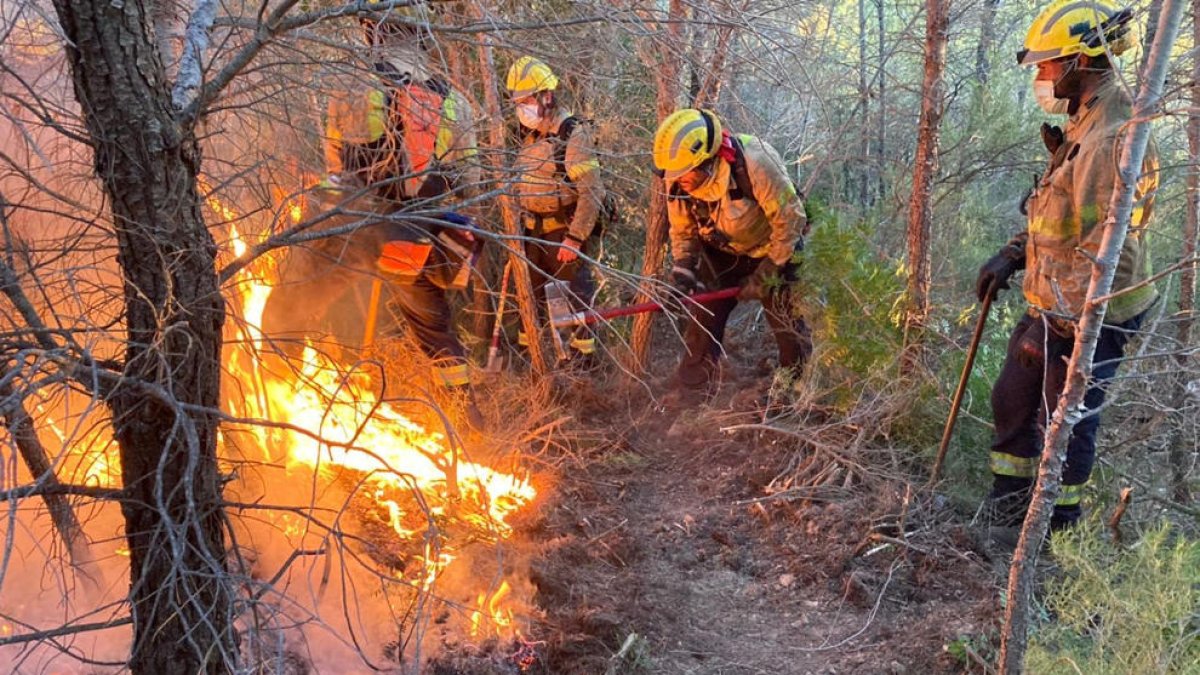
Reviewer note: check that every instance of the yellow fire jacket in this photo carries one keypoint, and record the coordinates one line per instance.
(766, 224)
(438, 138)
(1072, 199)
(543, 191)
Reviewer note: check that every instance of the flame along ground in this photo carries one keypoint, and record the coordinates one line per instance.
(323, 419)
(335, 421)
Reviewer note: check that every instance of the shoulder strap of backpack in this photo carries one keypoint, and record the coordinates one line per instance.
(560, 149)
(438, 86)
(740, 175)
(675, 192)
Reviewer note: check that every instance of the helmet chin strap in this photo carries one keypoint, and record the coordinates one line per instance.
(547, 107)
(1067, 84)
(1079, 81)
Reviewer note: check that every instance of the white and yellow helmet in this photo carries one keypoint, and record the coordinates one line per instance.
(686, 139)
(1069, 27)
(528, 76)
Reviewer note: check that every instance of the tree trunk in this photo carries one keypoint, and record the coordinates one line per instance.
(1187, 278)
(864, 94)
(1014, 638)
(1153, 11)
(920, 205)
(983, 50)
(667, 80)
(526, 303)
(709, 92)
(21, 426)
(181, 596)
(881, 130)
(1180, 450)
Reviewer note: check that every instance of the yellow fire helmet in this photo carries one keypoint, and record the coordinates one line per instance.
(528, 76)
(1069, 27)
(685, 140)
(393, 24)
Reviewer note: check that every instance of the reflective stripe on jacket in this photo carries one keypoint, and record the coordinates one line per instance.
(1072, 199)
(438, 134)
(768, 223)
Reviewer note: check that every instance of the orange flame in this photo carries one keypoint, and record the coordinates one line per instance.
(335, 422)
(493, 609)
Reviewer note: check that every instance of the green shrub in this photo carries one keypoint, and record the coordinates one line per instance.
(854, 296)
(1119, 611)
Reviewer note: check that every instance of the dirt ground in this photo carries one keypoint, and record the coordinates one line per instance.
(660, 552)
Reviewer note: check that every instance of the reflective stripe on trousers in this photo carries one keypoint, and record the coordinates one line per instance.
(453, 374)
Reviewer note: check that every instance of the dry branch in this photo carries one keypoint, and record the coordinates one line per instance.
(65, 630)
(21, 426)
(1114, 522)
(1014, 638)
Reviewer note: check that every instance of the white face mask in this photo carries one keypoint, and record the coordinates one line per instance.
(1043, 91)
(529, 114)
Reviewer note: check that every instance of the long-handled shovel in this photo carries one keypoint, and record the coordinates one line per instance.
(372, 313)
(962, 387)
(561, 315)
(493, 358)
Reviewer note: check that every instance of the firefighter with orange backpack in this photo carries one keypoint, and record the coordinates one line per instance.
(400, 144)
(559, 190)
(735, 220)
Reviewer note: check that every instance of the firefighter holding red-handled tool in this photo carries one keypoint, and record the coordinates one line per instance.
(735, 220)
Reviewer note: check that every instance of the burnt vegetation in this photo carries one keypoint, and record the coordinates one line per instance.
(213, 464)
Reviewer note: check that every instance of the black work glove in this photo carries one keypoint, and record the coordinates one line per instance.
(683, 276)
(995, 273)
(756, 285)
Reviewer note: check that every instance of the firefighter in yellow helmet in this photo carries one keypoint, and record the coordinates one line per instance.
(735, 220)
(401, 143)
(1071, 44)
(558, 188)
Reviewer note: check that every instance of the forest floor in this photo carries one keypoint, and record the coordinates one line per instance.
(662, 545)
(669, 544)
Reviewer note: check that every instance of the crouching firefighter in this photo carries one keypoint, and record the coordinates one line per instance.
(735, 220)
(1070, 44)
(559, 191)
(403, 147)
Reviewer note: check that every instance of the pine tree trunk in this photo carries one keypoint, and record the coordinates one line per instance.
(1180, 452)
(864, 94)
(21, 427)
(181, 596)
(1014, 638)
(526, 302)
(920, 206)
(983, 50)
(667, 80)
(881, 127)
(714, 61)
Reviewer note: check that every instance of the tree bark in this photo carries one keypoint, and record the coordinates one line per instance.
(1180, 451)
(667, 81)
(1153, 11)
(181, 597)
(526, 303)
(920, 205)
(864, 94)
(709, 92)
(1014, 638)
(881, 126)
(37, 460)
(983, 49)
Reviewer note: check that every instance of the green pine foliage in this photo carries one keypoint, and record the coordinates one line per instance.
(1122, 610)
(854, 292)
